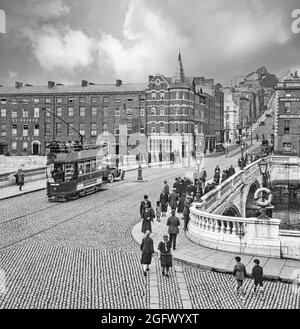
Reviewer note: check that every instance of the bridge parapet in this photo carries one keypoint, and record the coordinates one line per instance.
(234, 234)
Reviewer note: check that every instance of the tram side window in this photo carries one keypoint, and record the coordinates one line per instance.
(93, 166)
(80, 168)
(58, 172)
(99, 165)
(69, 171)
(87, 167)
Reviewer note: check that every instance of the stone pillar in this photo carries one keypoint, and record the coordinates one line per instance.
(262, 237)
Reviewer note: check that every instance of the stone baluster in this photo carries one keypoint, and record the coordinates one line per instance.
(212, 224)
(217, 228)
(234, 228)
(227, 230)
(222, 226)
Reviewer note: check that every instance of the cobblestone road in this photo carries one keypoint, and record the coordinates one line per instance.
(80, 254)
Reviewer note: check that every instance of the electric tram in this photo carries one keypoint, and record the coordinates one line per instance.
(74, 171)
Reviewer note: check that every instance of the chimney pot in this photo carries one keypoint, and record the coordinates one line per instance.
(84, 83)
(118, 83)
(18, 84)
(51, 84)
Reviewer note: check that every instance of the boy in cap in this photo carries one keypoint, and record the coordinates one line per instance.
(240, 273)
(257, 273)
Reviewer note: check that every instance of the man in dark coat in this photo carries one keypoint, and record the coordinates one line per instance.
(186, 211)
(147, 251)
(20, 178)
(164, 199)
(143, 204)
(231, 171)
(176, 186)
(166, 187)
(224, 176)
(165, 255)
(217, 177)
(173, 199)
(257, 273)
(239, 271)
(173, 222)
(148, 215)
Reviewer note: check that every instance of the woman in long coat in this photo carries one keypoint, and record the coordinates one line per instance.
(164, 198)
(147, 216)
(180, 206)
(147, 251)
(165, 255)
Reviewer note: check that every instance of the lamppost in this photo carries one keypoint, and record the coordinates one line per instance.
(198, 193)
(265, 204)
(263, 168)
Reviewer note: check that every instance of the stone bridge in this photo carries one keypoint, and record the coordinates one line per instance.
(225, 220)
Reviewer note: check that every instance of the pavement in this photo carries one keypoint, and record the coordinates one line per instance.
(191, 253)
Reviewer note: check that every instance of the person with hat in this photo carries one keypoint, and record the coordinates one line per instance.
(186, 211)
(147, 251)
(173, 199)
(163, 198)
(165, 255)
(143, 204)
(173, 222)
(148, 215)
(257, 273)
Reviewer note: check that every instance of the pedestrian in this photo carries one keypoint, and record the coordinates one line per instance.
(164, 199)
(180, 205)
(240, 273)
(166, 187)
(147, 216)
(144, 203)
(203, 175)
(186, 211)
(176, 185)
(173, 222)
(173, 199)
(19, 178)
(181, 187)
(165, 255)
(224, 176)
(231, 171)
(149, 159)
(158, 211)
(257, 273)
(217, 177)
(196, 176)
(217, 169)
(147, 251)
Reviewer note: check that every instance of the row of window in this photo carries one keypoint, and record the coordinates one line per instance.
(14, 130)
(173, 95)
(70, 112)
(27, 100)
(172, 111)
(176, 127)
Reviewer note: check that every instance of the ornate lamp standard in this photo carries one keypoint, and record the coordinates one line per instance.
(261, 192)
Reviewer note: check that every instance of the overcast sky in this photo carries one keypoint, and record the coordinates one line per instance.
(103, 40)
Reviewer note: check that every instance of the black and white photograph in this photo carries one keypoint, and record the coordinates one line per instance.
(149, 157)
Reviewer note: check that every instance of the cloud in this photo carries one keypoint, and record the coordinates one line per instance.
(67, 50)
(45, 10)
(208, 33)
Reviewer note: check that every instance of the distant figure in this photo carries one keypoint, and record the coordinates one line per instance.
(158, 211)
(173, 199)
(231, 171)
(224, 176)
(166, 187)
(147, 216)
(144, 203)
(164, 199)
(147, 251)
(19, 178)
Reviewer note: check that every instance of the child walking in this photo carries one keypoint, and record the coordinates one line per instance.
(158, 211)
(240, 274)
(257, 273)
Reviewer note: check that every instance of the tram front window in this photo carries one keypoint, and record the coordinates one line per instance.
(58, 172)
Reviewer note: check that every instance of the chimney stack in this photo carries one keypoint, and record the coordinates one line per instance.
(28, 85)
(84, 83)
(18, 84)
(51, 84)
(150, 77)
(91, 83)
(118, 83)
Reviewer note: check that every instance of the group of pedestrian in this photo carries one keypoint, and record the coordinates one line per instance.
(247, 158)
(226, 173)
(240, 273)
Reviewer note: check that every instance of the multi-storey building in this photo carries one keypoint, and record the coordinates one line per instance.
(287, 116)
(32, 116)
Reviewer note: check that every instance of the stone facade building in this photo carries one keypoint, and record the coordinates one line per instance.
(287, 116)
